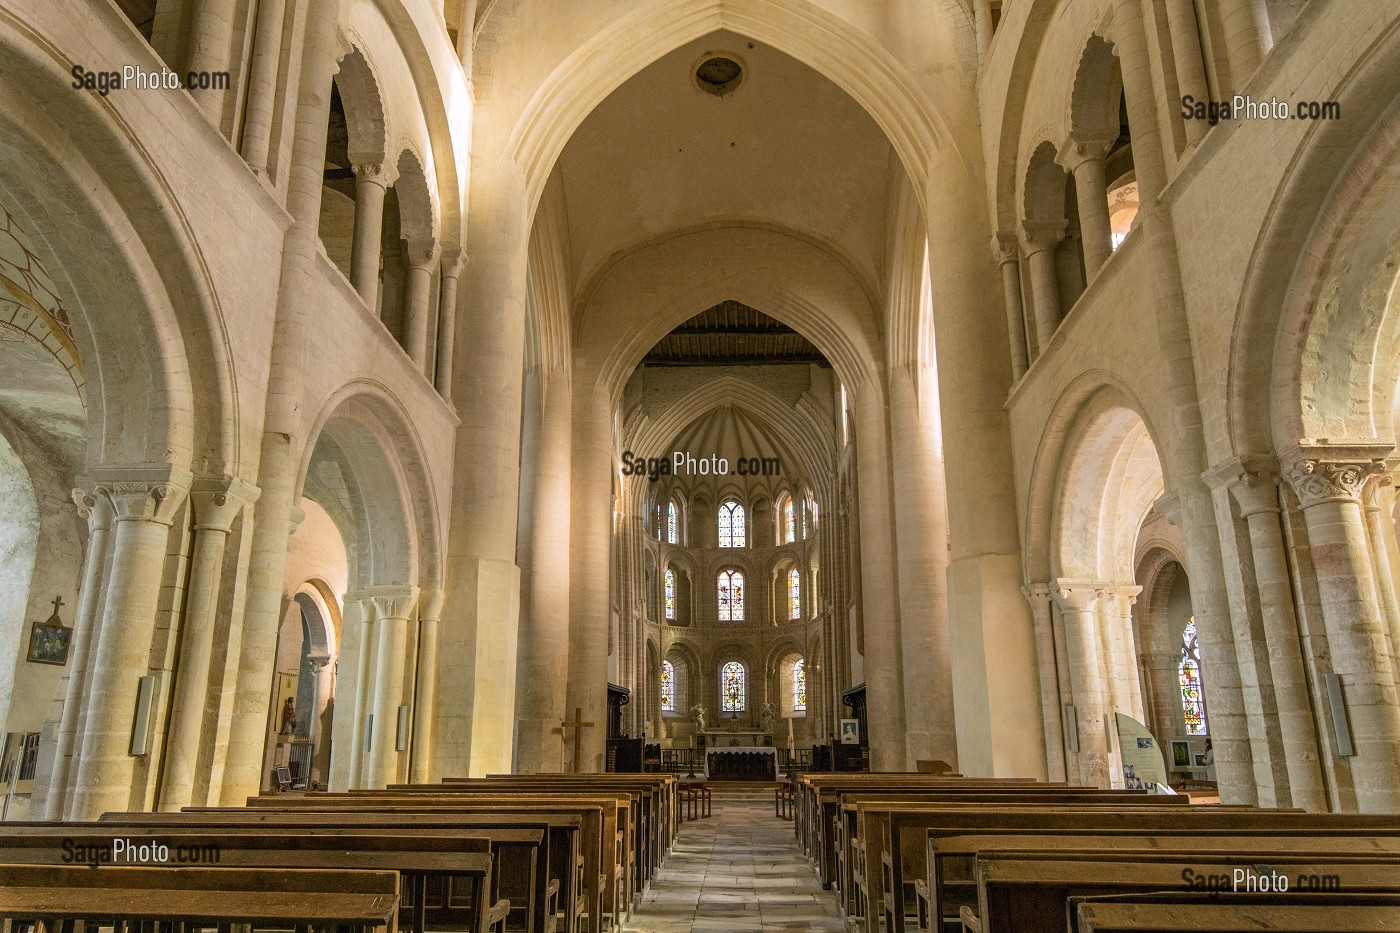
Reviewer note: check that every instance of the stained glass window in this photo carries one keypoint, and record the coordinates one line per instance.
(732, 687)
(1193, 701)
(731, 596)
(671, 523)
(731, 524)
(794, 594)
(670, 593)
(799, 685)
(789, 522)
(668, 686)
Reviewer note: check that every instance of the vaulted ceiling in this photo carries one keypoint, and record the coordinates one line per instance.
(733, 334)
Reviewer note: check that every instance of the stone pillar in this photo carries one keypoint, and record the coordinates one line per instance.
(921, 527)
(1257, 496)
(144, 506)
(217, 502)
(1039, 240)
(422, 259)
(262, 84)
(1038, 595)
(982, 13)
(1087, 686)
(1189, 60)
(97, 509)
(1008, 258)
(1330, 494)
(1162, 685)
(1120, 658)
(480, 624)
(1248, 37)
(393, 606)
(372, 179)
(545, 618)
(1085, 158)
(253, 638)
(1386, 598)
(352, 694)
(429, 612)
(1149, 161)
(210, 48)
(447, 322)
(590, 591)
(884, 679)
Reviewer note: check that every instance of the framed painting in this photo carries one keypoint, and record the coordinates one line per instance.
(49, 641)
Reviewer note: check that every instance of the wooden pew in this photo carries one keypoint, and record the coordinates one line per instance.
(546, 845)
(1069, 822)
(1321, 914)
(432, 869)
(1029, 893)
(952, 886)
(581, 871)
(355, 901)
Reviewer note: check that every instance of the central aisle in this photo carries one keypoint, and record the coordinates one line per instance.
(739, 871)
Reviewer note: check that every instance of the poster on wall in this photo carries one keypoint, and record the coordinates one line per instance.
(850, 732)
(48, 640)
(1143, 767)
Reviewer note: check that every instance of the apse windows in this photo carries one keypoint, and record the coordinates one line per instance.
(794, 587)
(670, 595)
(668, 686)
(799, 686)
(672, 523)
(731, 524)
(731, 596)
(1193, 702)
(789, 522)
(733, 688)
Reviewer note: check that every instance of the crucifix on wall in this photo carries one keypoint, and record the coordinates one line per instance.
(48, 640)
(578, 725)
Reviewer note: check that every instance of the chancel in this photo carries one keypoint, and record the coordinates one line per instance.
(533, 465)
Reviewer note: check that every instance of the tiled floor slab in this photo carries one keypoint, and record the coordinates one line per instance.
(739, 871)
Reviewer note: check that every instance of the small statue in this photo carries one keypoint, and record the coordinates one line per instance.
(767, 716)
(289, 716)
(697, 713)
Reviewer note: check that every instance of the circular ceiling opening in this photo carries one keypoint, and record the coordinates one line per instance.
(719, 72)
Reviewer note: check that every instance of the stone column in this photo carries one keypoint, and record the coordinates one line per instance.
(1039, 240)
(429, 612)
(590, 576)
(217, 502)
(1257, 496)
(144, 504)
(393, 605)
(1162, 686)
(97, 509)
(1038, 595)
(352, 693)
(544, 629)
(1248, 37)
(982, 13)
(210, 48)
(921, 528)
(1189, 60)
(1008, 258)
(447, 321)
(884, 679)
(480, 624)
(1120, 658)
(1386, 598)
(1087, 686)
(1085, 157)
(1330, 494)
(422, 257)
(262, 84)
(372, 180)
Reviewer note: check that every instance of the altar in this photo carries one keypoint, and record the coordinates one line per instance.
(743, 762)
(736, 738)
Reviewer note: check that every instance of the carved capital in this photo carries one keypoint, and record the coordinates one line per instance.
(1005, 248)
(217, 500)
(143, 494)
(391, 602)
(1256, 491)
(421, 251)
(1077, 595)
(1040, 235)
(1321, 481)
(374, 173)
(430, 603)
(1083, 147)
(96, 510)
(452, 262)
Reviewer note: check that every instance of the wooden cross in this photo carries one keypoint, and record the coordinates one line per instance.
(578, 725)
(57, 601)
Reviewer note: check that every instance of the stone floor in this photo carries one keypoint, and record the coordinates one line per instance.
(739, 871)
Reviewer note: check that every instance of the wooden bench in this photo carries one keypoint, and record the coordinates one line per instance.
(699, 800)
(1319, 914)
(125, 896)
(530, 852)
(442, 880)
(1029, 893)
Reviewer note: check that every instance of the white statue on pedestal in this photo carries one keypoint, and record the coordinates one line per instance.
(697, 713)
